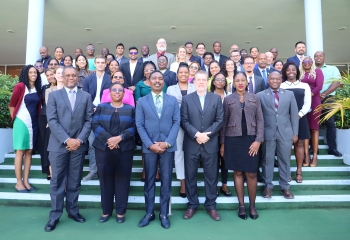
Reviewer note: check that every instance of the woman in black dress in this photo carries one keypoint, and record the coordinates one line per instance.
(240, 138)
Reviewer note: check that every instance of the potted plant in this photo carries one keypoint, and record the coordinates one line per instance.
(339, 107)
(7, 82)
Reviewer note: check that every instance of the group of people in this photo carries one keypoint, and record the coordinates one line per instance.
(223, 113)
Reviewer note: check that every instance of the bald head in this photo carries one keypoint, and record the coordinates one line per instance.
(234, 47)
(161, 45)
(44, 52)
(274, 80)
(319, 58)
(262, 61)
(269, 58)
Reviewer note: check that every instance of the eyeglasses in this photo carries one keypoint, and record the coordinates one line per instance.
(90, 49)
(201, 48)
(149, 70)
(249, 63)
(236, 56)
(120, 90)
(133, 53)
(194, 67)
(220, 80)
(162, 61)
(104, 51)
(53, 64)
(307, 61)
(109, 59)
(70, 75)
(118, 77)
(38, 66)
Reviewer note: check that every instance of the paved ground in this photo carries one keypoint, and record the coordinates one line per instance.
(297, 224)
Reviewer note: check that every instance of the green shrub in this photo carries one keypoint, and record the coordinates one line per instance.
(343, 92)
(7, 82)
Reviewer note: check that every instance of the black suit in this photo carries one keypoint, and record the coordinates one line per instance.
(170, 78)
(268, 71)
(195, 59)
(90, 85)
(138, 73)
(193, 120)
(222, 59)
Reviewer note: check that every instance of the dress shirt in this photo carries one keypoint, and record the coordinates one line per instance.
(132, 68)
(145, 59)
(154, 96)
(97, 99)
(201, 99)
(75, 89)
(217, 57)
(273, 95)
(162, 71)
(329, 72)
(239, 67)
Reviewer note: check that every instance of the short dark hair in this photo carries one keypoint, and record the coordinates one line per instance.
(212, 86)
(120, 44)
(284, 70)
(200, 44)
(188, 43)
(300, 42)
(91, 44)
(247, 58)
(133, 47)
(155, 71)
(217, 42)
(116, 83)
(274, 64)
(163, 56)
(250, 50)
(208, 53)
(182, 65)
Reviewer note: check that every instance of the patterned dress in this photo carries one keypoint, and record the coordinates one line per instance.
(25, 126)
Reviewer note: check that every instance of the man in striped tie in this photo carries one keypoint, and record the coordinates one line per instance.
(281, 130)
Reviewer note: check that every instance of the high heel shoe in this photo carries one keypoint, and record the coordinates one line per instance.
(307, 161)
(242, 216)
(312, 162)
(227, 194)
(253, 216)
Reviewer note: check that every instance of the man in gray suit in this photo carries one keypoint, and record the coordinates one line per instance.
(158, 123)
(69, 112)
(161, 47)
(281, 130)
(201, 118)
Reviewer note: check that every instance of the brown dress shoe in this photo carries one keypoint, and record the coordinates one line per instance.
(214, 215)
(267, 193)
(189, 213)
(287, 194)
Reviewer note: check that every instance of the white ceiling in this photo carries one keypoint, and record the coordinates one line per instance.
(141, 22)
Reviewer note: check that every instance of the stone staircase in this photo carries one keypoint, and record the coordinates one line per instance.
(327, 185)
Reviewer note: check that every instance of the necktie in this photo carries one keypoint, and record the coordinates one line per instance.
(158, 105)
(276, 99)
(72, 98)
(264, 76)
(250, 88)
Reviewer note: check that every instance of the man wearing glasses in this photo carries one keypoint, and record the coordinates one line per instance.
(169, 76)
(104, 51)
(132, 70)
(200, 50)
(255, 83)
(189, 50)
(90, 55)
(236, 57)
(161, 47)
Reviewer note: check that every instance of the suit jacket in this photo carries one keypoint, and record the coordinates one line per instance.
(222, 60)
(258, 73)
(194, 119)
(122, 60)
(65, 123)
(176, 92)
(170, 56)
(195, 59)
(170, 78)
(138, 73)
(259, 84)
(285, 119)
(294, 59)
(90, 85)
(152, 128)
(101, 126)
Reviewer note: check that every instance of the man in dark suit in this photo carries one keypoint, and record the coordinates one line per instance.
(262, 70)
(119, 49)
(94, 84)
(281, 123)
(208, 57)
(300, 49)
(69, 112)
(45, 57)
(189, 50)
(201, 119)
(132, 69)
(170, 78)
(217, 56)
(200, 50)
(256, 83)
(158, 123)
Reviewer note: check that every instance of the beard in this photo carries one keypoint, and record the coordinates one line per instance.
(162, 49)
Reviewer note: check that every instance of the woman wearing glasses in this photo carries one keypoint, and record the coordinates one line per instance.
(40, 67)
(117, 77)
(53, 63)
(114, 127)
(314, 78)
(194, 68)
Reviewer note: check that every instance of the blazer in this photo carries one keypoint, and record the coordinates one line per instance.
(259, 84)
(65, 123)
(122, 60)
(101, 126)
(294, 59)
(194, 119)
(222, 60)
(176, 92)
(138, 73)
(154, 59)
(258, 73)
(285, 119)
(232, 126)
(196, 59)
(90, 85)
(170, 78)
(153, 128)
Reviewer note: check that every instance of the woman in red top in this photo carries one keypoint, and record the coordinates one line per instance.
(24, 108)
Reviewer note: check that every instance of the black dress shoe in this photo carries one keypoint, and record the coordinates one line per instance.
(146, 220)
(164, 221)
(335, 153)
(51, 225)
(77, 217)
(253, 216)
(227, 194)
(244, 215)
(103, 219)
(120, 219)
(183, 195)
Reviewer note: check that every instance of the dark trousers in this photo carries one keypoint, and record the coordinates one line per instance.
(330, 131)
(166, 160)
(210, 168)
(65, 182)
(114, 171)
(42, 144)
(224, 171)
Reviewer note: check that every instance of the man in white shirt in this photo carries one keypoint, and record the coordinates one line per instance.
(132, 70)
(217, 55)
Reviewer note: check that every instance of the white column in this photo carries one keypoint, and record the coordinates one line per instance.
(313, 26)
(34, 30)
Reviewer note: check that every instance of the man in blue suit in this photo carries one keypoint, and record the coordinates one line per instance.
(189, 50)
(158, 123)
(300, 49)
(263, 70)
